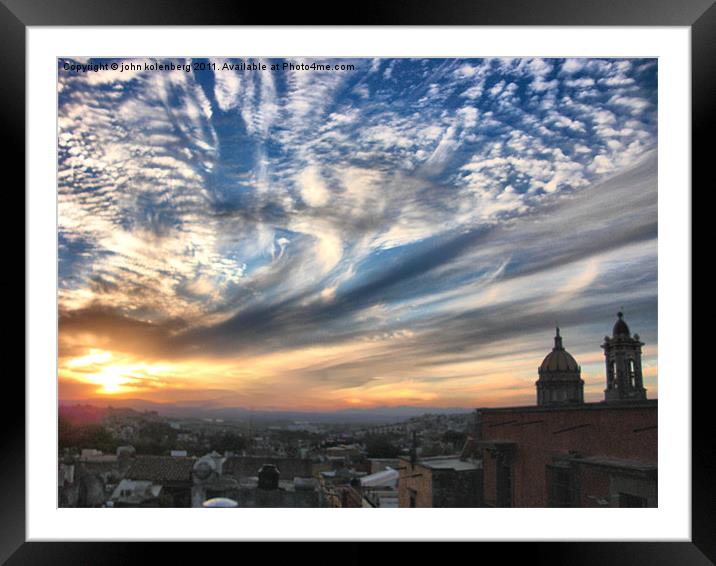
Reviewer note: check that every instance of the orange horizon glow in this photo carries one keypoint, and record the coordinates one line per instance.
(101, 376)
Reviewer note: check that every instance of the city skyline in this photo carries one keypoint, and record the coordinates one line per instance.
(407, 233)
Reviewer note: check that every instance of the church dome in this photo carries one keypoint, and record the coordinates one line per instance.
(559, 360)
(559, 380)
(620, 327)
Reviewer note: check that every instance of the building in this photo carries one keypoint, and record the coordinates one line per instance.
(87, 479)
(567, 453)
(254, 481)
(248, 466)
(440, 481)
(173, 474)
(380, 464)
(130, 493)
(623, 358)
(381, 488)
(341, 488)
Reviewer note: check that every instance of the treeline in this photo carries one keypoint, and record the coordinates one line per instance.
(73, 436)
(152, 438)
(379, 446)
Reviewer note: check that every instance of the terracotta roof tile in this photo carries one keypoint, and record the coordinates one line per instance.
(161, 468)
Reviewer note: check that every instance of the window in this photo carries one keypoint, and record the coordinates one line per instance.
(560, 485)
(631, 372)
(504, 482)
(615, 380)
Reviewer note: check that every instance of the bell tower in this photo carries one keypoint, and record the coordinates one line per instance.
(622, 354)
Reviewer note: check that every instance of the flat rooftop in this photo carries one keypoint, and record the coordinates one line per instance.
(598, 406)
(618, 463)
(448, 463)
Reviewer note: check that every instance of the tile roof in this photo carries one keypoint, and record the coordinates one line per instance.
(161, 469)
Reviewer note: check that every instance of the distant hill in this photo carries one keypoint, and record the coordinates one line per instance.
(82, 414)
(376, 415)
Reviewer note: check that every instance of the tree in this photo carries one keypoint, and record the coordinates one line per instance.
(85, 436)
(380, 447)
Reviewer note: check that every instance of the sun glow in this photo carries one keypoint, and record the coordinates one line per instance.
(111, 379)
(95, 356)
(114, 373)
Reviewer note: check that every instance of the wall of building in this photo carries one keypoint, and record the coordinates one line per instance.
(457, 489)
(624, 432)
(438, 487)
(417, 479)
(275, 498)
(594, 488)
(601, 487)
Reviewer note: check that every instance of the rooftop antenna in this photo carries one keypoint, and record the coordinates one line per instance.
(250, 437)
(413, 450)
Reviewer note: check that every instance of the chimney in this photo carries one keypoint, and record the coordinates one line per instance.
(269, 476)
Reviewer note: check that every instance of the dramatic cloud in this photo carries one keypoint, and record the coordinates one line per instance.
(401, 232)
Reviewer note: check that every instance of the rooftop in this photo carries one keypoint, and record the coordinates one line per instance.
(388, 477)
(161, 469)
(618, 463)
(449, 463)
(135, 492)
(598, 406)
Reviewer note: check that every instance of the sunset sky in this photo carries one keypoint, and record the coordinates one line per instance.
(407, 233)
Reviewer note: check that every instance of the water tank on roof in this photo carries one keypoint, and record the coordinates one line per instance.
(268, 477)
(220, 502)
(204, 467)
(125, 451)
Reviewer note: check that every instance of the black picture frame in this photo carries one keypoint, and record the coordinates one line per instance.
(699, 15)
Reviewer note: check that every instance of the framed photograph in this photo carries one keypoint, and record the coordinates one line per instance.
(425, 266)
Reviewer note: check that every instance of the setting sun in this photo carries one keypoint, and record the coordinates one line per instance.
(114, 373)
(111, 378)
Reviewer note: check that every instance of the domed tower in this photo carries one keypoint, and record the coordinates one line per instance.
(560, 378)
(623, 358)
